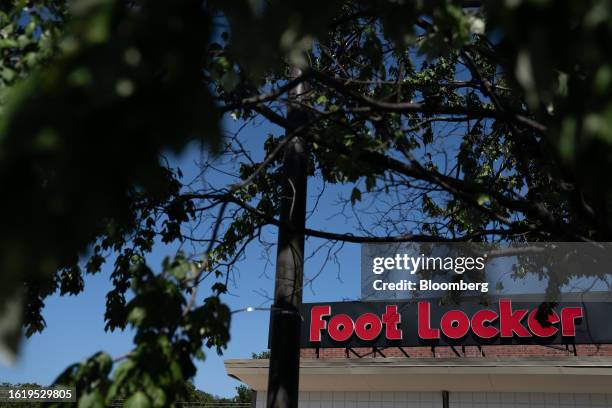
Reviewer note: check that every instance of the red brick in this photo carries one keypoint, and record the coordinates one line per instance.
(470, 351)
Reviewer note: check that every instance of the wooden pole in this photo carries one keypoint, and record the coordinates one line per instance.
(285, 320)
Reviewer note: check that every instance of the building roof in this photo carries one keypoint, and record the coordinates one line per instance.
(507, 374)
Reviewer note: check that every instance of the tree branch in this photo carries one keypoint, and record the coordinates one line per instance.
(259, 99)
(347, 237)
(410, 107)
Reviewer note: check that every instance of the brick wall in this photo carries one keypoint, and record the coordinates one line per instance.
(470, 351)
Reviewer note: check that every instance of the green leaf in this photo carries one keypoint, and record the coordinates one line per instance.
(121, 374)
(180, 268)
(91, 400)
(321, 100)
(219, 287)
(8, 74)
(138, 400)
(229, 81)
(483, 199)
(137, 315)
(104, 361)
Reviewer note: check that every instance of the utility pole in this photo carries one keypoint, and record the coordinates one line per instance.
(285, 319)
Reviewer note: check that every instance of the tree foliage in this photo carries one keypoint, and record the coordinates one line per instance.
(442, 121)
(262, 355)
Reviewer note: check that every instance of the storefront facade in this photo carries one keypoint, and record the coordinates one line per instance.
(505, 376)
(392, 355)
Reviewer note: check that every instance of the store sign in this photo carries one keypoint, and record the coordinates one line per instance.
(382, 324)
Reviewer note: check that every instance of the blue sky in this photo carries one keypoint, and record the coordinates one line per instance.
(75, 325)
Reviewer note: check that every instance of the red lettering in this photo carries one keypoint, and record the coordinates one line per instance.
(316, 321)
(392, 320)
(478, 324)
(425, 331)
(539, 330)
(568, 320)
(340, 327)
(510, 322)
(455, 324)
(368, 326)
